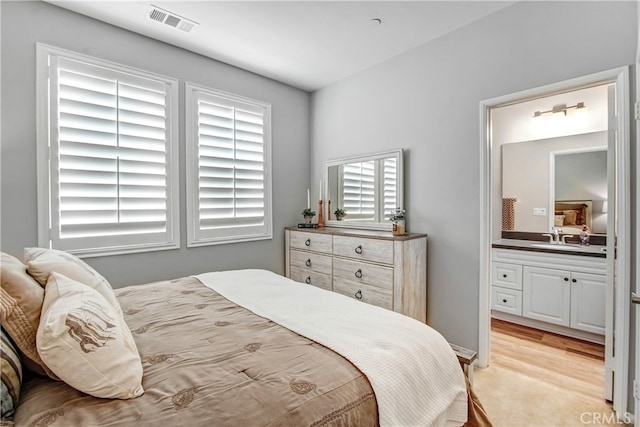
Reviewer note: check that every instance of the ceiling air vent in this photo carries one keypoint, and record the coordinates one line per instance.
(161, 15)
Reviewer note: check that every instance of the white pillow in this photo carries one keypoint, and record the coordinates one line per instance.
(86, 343)
(41, 262)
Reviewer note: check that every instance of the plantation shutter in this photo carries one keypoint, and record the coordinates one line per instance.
(359, 190)
(390, 186)
(229, 151)
(111, 180)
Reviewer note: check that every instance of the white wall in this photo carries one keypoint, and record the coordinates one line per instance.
(427, 102)
(25, 23)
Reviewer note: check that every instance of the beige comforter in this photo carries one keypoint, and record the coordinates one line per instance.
(414, 373)
(209, 362)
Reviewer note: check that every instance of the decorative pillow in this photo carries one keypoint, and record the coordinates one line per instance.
(570, 217)
(21, 300)
(86, 342)
(11, 369)
(558, 220)
(41, 262)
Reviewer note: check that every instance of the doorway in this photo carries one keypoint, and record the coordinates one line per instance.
(617, 310)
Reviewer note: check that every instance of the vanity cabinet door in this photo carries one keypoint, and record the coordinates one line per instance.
(588, 293)
(546, 295)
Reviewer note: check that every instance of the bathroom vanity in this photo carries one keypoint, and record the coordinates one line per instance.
(553, 287)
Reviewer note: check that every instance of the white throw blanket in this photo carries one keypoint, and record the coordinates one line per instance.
(414, 373)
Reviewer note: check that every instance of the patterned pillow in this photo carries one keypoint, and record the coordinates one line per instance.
(41, 262)
(558, 220)
(86, 343)
(11, 369)
(21, 300)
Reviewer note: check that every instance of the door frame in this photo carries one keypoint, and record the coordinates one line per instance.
(619, 76)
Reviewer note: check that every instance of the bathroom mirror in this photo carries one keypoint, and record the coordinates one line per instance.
(555, 183)
(366, 187)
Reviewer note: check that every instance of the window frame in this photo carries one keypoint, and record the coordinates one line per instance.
(197, 237)
(47, 146)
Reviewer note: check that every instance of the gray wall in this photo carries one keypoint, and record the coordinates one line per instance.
(25, 23)
(427, 102)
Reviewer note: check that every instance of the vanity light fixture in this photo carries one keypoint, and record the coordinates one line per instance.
(561, 108)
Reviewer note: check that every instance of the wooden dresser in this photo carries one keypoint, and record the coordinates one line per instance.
(372, 266)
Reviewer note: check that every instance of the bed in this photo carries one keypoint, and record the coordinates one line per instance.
(572, 215)
(245, 348)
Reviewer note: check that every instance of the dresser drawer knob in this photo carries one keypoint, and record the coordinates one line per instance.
(358, 294)
(359, 250)
(566, 279)
(308, 263)
(307, 242)
(574, 280)
(504, 275)
(504, 300)
(308, 280)
(359, 273)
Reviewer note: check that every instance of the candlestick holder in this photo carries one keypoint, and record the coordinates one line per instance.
(320, 216)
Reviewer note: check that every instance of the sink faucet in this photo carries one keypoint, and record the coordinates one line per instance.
(554, 238)
(564, 238)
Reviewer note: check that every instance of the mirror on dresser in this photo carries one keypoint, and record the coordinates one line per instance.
(366, 187)
(555, 183)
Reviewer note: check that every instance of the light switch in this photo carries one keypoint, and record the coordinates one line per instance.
(540, 211)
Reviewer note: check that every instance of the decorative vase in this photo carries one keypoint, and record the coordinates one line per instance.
(308, 218)
(339, 217)
(399, 228)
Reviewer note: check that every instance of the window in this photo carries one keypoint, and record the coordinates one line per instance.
(359, 190)
(228, 168)
(107, 156)
(364, 183)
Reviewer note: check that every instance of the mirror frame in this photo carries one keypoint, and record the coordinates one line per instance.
(397, 154)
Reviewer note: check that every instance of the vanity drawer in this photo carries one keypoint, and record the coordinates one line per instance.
(309, 277)
(366, 249)
(362, 272)
(311, 241)
(365, 293)
(506, 300)
(507, 275)
(311, 261)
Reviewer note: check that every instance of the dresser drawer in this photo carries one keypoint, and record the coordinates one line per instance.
(311, 261)
(365, 293)
(374, 250)
(506, 300)
(506, 275)
(311, 278)
(311, 241)
(362, 272)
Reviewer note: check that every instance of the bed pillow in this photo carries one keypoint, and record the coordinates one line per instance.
(570, 217)
(11, 370)
(558, 220)
(86, 343)
(41, 262)
(21, 300)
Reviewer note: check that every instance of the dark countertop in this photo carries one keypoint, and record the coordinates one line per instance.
(596, 251)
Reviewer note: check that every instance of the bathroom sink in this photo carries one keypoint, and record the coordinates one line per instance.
(567, 247)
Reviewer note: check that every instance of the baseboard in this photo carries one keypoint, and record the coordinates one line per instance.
(549, 327)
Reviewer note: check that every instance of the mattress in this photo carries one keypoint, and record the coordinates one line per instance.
(210, 361)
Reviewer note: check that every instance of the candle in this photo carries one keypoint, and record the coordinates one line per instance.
(308, 200)
(320, 191)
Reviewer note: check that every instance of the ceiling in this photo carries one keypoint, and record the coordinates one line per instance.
(306, 44)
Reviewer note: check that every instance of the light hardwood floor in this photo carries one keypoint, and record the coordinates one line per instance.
(575, 365)
(537, 378)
